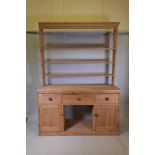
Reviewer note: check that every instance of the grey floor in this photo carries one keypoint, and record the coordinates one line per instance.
(78, 145)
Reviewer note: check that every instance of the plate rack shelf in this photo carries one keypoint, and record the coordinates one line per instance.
(62, 47)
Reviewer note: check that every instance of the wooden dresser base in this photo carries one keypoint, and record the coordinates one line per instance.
(104, 100)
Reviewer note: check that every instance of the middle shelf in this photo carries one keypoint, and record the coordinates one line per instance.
(77, 47)
(76, 74)
(78, 61)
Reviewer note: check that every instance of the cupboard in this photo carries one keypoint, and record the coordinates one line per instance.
(102, 100)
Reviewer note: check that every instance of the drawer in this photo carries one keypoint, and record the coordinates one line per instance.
(107, 98)
(49, 99)
(79, 99)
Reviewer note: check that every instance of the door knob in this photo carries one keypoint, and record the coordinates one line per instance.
(95, 115)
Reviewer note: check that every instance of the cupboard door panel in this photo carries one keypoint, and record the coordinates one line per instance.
(51, 118)
(106, 118)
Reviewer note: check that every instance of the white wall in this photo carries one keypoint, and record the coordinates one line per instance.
(77, 11)
(33, 67)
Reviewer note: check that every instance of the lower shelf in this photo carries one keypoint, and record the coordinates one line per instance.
(78, 126)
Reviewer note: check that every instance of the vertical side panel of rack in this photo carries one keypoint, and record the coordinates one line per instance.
(115, 36)
(42, 58)
(107, 44)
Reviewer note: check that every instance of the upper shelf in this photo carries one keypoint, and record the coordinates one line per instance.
(77, 47)
(78, 25)
(78, 61)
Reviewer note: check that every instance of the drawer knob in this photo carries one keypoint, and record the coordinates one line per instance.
(107, 98)
(50, 99)
(78, 98)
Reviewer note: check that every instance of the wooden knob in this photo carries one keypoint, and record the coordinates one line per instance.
(95, 115)
(50, 99)
(107, 98)
(78, 98)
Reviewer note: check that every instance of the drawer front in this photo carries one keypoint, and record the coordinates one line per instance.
(49, 99)
(79, 99)
(107, 98)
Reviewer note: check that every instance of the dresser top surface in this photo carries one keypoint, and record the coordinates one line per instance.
(79, 89)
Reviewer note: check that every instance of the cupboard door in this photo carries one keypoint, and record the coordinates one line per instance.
(106, 118)
(51, 118)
